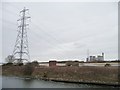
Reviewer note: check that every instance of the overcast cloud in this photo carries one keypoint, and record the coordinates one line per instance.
(64, 30)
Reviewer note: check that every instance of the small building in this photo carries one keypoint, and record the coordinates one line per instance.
(52, 63)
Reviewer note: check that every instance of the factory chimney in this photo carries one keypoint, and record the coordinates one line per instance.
(103, 55)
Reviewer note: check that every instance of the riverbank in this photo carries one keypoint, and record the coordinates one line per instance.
(87, 74)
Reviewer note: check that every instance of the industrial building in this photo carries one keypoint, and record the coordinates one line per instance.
(95, 58)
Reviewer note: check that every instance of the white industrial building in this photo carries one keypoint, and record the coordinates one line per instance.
(96, 58)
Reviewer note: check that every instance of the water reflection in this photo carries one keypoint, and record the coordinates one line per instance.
(12, 82)
(28, 82)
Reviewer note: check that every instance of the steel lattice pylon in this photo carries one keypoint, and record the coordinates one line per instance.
(21, 50)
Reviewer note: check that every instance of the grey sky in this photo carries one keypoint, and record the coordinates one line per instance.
(65, 30)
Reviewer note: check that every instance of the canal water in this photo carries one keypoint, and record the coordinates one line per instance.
(16, 82)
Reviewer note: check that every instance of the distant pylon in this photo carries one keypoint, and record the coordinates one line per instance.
(21, 50)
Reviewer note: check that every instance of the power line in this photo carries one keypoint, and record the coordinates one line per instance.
(45, 39)
(48, 41)
(38, 28)
(14, 6)
(8, 11)
(7, 21)
(48, 35)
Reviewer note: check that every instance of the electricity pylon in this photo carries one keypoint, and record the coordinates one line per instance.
(21, 50)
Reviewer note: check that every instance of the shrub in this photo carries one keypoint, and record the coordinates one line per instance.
(7, 64)
(20, 64)
(45, 75)
(107, 65)
(28, 69)
(35, 63)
